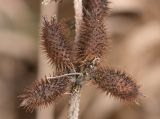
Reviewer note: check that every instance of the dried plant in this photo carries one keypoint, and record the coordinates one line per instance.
(116, 83)
(45, 2)
(79, 61)
(44, 92)
(57, 45)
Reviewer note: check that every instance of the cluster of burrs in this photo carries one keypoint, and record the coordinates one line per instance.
(78, 62)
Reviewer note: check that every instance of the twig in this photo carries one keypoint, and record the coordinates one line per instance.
(78, 16)
(45, 2)
(74, 103)
(70, 74)
(73, 112)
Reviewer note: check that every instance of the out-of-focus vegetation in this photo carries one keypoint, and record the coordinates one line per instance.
(19, 21)
(134, 27)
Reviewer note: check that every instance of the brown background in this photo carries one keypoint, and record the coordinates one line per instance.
(134, 27)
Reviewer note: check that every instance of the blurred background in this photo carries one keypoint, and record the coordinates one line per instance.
(134, 27)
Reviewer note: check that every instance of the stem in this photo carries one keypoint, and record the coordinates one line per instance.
(78, 16)
(45, 2)
(70, 74)
(74, 102)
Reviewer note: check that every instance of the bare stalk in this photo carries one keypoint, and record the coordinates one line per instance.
(74, 103)
(45, 2)
(78, 16)
(70, 74)
(73, 112)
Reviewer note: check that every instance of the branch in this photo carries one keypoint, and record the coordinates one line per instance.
(70, 74)
(74, 103)
(73, 112)
(45, 2)
(78, 16)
